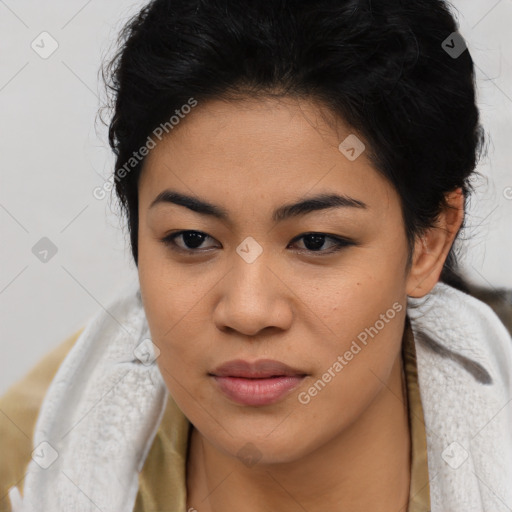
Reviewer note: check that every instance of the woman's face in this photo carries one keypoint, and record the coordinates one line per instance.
(248, 281)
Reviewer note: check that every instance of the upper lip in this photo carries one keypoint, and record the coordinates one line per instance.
(263, 368)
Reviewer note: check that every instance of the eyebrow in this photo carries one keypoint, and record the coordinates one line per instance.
(303, 207)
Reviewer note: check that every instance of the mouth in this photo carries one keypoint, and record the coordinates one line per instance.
(262, 382)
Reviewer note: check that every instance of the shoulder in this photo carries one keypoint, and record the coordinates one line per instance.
(19, 409)
(461, 329)
(499, 300)
(464, 355)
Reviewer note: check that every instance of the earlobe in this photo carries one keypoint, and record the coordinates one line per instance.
(432, 248)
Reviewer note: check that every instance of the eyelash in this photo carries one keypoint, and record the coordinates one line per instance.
(340, 243)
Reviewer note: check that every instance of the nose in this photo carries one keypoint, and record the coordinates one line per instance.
(253, 299)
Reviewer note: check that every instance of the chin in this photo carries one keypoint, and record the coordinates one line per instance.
(253, 448)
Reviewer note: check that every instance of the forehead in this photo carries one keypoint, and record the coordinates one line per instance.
(251, 151)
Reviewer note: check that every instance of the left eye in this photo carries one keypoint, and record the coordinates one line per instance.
(313, 242)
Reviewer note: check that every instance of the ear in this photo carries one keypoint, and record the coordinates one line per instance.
(431, 250)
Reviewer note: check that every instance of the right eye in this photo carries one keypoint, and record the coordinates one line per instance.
(190, 241)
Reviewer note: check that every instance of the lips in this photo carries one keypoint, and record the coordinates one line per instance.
(262, 369)
(263, 382)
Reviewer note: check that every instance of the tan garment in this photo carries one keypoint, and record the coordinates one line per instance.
(162, 483)
(419, 494)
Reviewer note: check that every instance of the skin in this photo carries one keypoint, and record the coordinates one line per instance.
(348, 448)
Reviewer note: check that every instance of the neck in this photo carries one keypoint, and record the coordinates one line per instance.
(366, 467)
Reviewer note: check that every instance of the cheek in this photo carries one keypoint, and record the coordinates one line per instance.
(170, 294)
(358, 322)
(343, 302)
(356, 355)
(176, 319)
(175, 306)
(363, 338)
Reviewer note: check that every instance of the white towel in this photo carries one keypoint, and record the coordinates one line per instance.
(103, 408)
(99, 418)
(464, 358)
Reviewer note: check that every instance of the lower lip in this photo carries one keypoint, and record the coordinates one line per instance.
(258, 391)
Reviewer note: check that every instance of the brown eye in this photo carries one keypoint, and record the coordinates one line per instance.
(190, 240)
(316, 242)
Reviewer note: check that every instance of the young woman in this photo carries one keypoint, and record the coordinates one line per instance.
(294, 175)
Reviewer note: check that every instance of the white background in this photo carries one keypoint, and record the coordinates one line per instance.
(53, 153)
